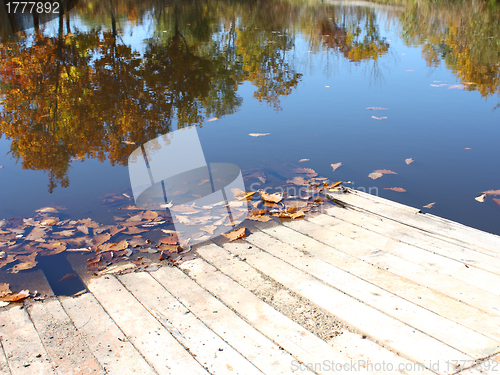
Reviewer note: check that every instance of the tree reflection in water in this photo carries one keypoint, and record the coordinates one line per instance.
(87, 94)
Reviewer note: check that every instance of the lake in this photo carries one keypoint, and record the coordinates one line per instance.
(410, 91)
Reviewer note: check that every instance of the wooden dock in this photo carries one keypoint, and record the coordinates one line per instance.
(373, 287)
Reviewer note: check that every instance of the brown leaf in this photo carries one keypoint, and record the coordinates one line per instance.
(53, 248)
(167, 247)
(122, 245)
(336, 166)
(379, 173)
(26, 262)
(137, 241)
(115, 229)
(63, 233)
(101, 238)
(398, 189)
(36, 234)
(8, 259)
(235, 234)
(4, 289)
(49, 221)
(272, 198)
(375, 175)
(297, 214)
(333, 185)
(308, 171)
(169, 240)
(409, 161)
(134, 230)
(241, 195)
(16, 296)
(149, 215)
(262, 218)
(89, 223)
(47, 210)
(129, 207)
(209, 228)
(298, 181)
(430, 205)
(83, 228)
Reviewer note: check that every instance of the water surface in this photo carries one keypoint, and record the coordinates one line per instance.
(79, 94)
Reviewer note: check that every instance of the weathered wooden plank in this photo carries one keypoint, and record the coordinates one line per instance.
(433, 262)
(415, 237)
(251, 279)
(69, 353)
(373, 357)
(390, 332)
(476, 345)
(152, 340)
(487, 366)
(299, 342)
(22, 345)
(247, 340)
(483, 300)
(450, 308)
(473, 238)
(108, 343)
(4, 366)
(210, 350)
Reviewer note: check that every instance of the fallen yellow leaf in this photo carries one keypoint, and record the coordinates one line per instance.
(480, 198)
(235, 234)
(272, 198)
(398, 189)
(379, 173)
(336, 166)
(16, 296)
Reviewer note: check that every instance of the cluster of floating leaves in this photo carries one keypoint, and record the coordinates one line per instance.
(138, 230)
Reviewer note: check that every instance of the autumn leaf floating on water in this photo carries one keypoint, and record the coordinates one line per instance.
(336, 166)
(379, 173)
(396, 189)
(235, 234)
(270, 198)
(259, 215)
(308, 171)
(492, 192)
(409, 161)
(7, 296)
(482, 197)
